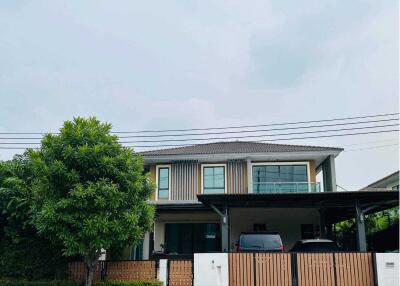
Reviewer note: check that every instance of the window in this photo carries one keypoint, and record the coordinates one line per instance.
(213, 179)
(163, 182)
(189, 238)
(280, 178)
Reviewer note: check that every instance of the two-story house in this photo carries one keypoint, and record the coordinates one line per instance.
(208, 194)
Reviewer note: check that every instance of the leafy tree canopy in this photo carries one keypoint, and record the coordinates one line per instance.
(89, 192)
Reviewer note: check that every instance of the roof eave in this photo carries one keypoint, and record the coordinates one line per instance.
(148, 159)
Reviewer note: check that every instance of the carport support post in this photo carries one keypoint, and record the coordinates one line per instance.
(322, 223)
(224, 217)
(361, 237)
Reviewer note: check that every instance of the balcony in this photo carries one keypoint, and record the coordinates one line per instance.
(286, 187)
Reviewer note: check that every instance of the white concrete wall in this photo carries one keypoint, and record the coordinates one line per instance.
(162, 219)
(211, 269)
(163, 271)
(285, 221)
(387, 269)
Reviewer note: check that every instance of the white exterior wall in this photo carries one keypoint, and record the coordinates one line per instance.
(285, 221)
(211, 269)
(162, 219)
(387, 269)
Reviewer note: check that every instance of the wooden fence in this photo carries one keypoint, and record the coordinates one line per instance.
(301, 269)
(180, 272)
(116, 270)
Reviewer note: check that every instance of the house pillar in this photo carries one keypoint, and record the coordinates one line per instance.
(361, 236)
(249, 177)
(322, 223)
(224, 218)
(329, 174)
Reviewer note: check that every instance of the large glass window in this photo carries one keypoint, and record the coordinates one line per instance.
(214, 180)
(280, 178)
(188, 238)
(163, 182)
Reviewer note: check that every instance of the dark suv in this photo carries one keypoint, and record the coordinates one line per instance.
(315, 245)
(260, 241)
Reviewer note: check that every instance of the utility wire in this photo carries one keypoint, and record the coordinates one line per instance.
(257, 130)
(225, 138)
(342, 188)
(271, 140)
(255, 136)
(225, 132)
(220, 128)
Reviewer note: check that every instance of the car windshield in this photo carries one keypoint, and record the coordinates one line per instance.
(260, 241)
(317, 247)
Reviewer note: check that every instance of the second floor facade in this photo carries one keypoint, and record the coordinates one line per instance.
(183, 173)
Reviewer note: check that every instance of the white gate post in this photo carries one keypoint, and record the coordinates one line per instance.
(211, 269)
(163, 271)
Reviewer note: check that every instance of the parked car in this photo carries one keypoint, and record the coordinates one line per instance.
(315, 245)
(260, 241)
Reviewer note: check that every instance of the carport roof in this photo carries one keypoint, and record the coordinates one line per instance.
(293, 200)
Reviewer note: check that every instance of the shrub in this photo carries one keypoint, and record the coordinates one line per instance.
(130, 283)
(12, 282)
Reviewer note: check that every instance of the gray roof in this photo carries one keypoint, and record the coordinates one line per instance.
(237, 147)
(381, 184)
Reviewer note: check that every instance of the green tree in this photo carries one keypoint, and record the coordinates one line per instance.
(23, 252)
(90, 193)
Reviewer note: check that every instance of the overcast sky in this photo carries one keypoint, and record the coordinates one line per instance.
(183, 64)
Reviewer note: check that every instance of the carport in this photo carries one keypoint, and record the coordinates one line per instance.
(332, 207)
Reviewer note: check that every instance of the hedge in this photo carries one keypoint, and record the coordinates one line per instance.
(130, 283)
(13, 282)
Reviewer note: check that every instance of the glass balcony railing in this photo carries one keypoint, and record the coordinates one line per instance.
(284, 187)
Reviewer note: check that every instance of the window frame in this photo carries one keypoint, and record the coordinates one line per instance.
(306, 163)
(202, 176)
(158, 167)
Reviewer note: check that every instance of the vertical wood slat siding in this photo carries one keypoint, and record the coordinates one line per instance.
(180, 273)
(184, 181)
(131, 270)
(273, 269)
(236, 172)
(260, 269)
(354, 269)
(116, 270)
(315, 269)
(241, 269)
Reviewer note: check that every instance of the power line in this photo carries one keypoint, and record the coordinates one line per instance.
(274, 140)
(225, 138)
(259, 125)
(225, 132)
(255, 136)
(219, 128)
(342, 188)
(271, 140)
(257, 130)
